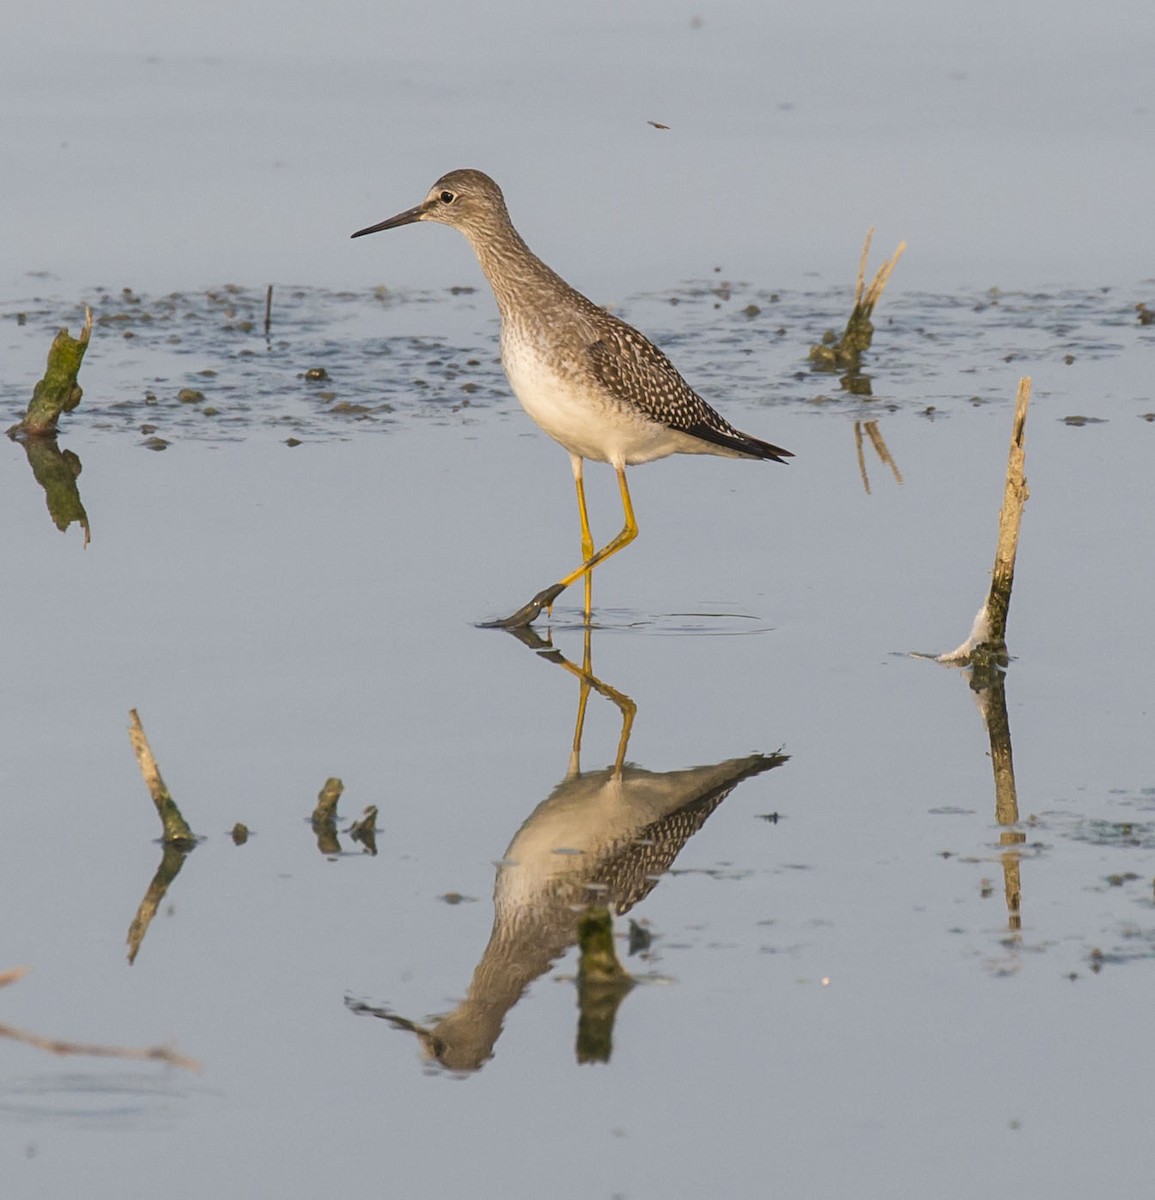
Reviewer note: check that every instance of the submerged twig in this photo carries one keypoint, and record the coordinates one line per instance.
(58, 392)
(57, 1046)
(176, 828)
(988, 634)
(844, 353)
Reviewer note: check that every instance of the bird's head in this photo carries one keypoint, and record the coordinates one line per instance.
(465, 199)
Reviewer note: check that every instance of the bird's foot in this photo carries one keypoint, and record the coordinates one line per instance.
(529, 613)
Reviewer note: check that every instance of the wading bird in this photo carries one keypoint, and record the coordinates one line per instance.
(591, 381)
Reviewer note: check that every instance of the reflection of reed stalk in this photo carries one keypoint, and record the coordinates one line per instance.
(880, 448)
(990, 684)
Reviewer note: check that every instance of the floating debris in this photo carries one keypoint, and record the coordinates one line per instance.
(364, 831)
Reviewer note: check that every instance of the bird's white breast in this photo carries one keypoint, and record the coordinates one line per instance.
(569, 404)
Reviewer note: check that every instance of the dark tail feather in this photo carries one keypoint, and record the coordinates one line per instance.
(742, 443)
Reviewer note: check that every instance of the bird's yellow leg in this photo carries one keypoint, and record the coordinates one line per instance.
(545, 598)
(627, 535)
(587, 537)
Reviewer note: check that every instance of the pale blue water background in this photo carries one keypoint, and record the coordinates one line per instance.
(1010, 144)
(281, 615)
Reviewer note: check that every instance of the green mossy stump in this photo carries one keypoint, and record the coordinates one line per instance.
(844, 353)
(58, 392)
(324, 819)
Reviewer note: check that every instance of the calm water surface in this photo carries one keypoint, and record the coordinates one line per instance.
(838, 998)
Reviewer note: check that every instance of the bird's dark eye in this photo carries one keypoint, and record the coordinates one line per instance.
(447, 197)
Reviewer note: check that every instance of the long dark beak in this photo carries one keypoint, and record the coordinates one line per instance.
(405, 218)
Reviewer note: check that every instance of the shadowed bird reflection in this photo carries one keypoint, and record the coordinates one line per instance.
(601, 837)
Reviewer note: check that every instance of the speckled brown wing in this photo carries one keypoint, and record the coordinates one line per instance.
(638, 375)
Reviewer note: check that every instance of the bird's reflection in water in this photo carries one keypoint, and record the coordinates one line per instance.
(601, 837)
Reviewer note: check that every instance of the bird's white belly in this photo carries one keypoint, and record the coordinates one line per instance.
(581, 416)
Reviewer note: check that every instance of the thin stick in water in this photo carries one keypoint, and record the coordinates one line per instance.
(176, 828)
(990, 625)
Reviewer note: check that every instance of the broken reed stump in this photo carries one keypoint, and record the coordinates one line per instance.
(325, 816)
(845, 353)
(176, 829)
(58, 392)
(327, 798)
(986, 645)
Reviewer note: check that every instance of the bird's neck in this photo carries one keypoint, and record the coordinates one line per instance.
(521, 282)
